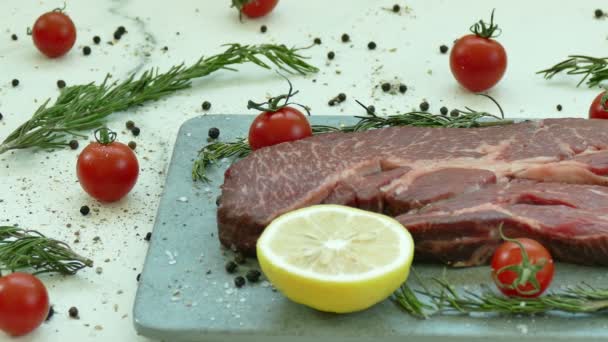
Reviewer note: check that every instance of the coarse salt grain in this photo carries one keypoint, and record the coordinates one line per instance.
(183, 199)
(522, 328)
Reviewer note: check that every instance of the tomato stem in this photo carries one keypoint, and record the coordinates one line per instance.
(481, 29)
(239, 4)
(604, 100)
(273, 104)
(105, 136)
(60, 9)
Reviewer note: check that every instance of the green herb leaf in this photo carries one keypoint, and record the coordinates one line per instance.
(594, 70)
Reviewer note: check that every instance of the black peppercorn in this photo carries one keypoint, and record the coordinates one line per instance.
(206, 105)
(317, 41)
(396, 8)
(402, 88)
(239, 281)
(345, 38)
(15, 82)
(214, 132)
(331, 55)
(386, 87)
(130, 124)
(263, 29)
(239, 258)
(135, 130)
(61, 84)
(84, 210)
(559, 107)
(341, 97)
(218, 200)
(253, 276)
(424, 106)
(371, 45)
(117, 35)
(331, 102)
(454, 113)
(599, 13)
(73, 144)
(73, 312)
(443, 110)
(231, 266)
(1, 116)
(86, 50)
(443, 48)
(96, 40)
(50, 314)
(148, 236)
(14, 36)
(138, 276)
(132, 145)
(121, 30)
(371, 109)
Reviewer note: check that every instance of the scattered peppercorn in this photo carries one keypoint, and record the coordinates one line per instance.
(50, 314)
(135, 130)
(206, 105)
(61, 84)
(14, 36)
(396, 8)
(96, 40)
(371, 109)
(443, 48)
(231, 266)
(121, 30)
(331, 102)
(253, 276)
(240, 258)
(402, 88)
(1, 116)
(214, 132)
(317, 41)
(599, 13)
(331, 55)
(218, 200)
(138, 276)
(130, 124)
(15, 82)
(454, 113)
(117, 35)
(165, 48)
(371, 45)
(239, 281)
(73, 312)
(73, 144)
(386, 87)
(148, 236)
(85, 210)
(132, 145)
(86, 50)
(559, 107)
(263, 29)
(345, 38)
(424, 106)
(341, 97)
(443, 110)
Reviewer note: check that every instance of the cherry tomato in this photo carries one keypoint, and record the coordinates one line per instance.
(24, 303)
(256, 8)
(508, 266)
(54, 34)
(597, 109)
(270, 128)
(478, 63)
(107, 170)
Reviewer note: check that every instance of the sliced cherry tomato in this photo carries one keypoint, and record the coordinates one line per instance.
(54, 34)
(24, 303)
(107, 170)
(477, 61)
(285, 124)
(522, 267)
(255, 8)
(599, 107)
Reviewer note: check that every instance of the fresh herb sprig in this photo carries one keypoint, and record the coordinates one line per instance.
(467, 118)
(593, 69)
(84, 107)
(28, 249)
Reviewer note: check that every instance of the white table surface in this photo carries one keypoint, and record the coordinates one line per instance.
(39, 190)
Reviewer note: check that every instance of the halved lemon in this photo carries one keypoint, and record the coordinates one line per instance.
(335, 258)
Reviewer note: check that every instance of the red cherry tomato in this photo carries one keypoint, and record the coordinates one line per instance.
(54, 34)
(478, 63)
(508, 265)
(258, 8)
(270, 128)
(597, 109)
(107, 171)
(24, 303)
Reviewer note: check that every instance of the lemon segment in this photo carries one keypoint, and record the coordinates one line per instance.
(335, 258)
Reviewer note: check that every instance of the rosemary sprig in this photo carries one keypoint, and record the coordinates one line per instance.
(445, 298)
(84, 107)
(594, 70)
(28, 249)
(213, 152)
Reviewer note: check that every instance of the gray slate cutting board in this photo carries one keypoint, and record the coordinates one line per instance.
(186, 295)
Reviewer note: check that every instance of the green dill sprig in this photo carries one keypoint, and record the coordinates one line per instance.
(593, 69)
(28, 249)
(84, 107)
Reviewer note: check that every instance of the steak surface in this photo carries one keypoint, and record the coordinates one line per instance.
(452, 188)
